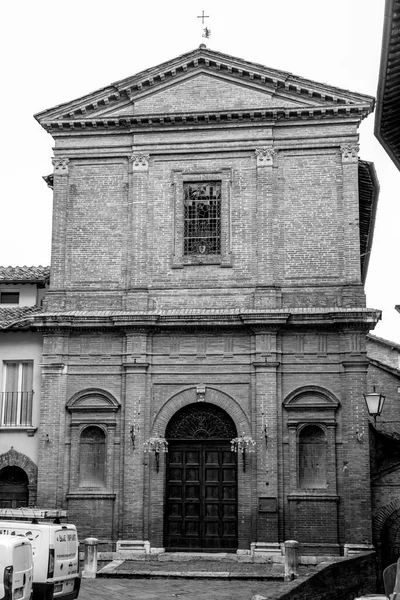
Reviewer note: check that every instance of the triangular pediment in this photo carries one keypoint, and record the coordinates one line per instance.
(203, 81)
(202, 91)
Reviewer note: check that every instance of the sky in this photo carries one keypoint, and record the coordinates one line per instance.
(54, 51)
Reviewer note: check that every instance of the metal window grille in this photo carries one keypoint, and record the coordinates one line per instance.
(202, 217)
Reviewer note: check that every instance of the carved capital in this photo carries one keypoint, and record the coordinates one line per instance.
(349, 153)
(265, 156)
(60, 166)
(140, 162)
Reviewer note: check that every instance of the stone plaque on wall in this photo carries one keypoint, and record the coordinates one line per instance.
(267, 505)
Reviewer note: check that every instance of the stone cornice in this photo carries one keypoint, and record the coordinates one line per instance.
(301, 113)
(357, 318)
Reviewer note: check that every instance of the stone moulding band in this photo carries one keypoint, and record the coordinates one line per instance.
(324, 112)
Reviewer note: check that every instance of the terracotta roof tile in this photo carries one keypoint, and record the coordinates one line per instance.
(18, 316)
(24, 274)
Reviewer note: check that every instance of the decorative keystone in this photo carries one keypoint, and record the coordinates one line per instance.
(200, 393)
(60, 166)
(349, 153)
(140, 162)
(265, 157)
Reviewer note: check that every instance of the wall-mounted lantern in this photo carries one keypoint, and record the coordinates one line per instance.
(156, 444)
(243, 443)
(374, 402)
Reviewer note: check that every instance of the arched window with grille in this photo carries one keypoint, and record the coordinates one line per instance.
(312, 458)
(92, 457)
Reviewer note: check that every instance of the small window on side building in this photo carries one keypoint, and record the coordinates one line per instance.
(9, 297)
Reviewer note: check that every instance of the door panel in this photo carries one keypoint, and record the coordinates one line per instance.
(201, 496)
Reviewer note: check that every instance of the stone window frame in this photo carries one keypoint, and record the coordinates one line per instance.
(92, 407)
(179, 260)
(312, 405)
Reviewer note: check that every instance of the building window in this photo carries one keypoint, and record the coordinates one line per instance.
(92, 457)
(9, 297)
(312, 458)
(202, 231)
(17, 394)
(202, 218)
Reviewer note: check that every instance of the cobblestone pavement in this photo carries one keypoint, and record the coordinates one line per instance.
(172, 589)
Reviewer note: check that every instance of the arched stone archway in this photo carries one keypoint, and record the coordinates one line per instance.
(207, 394)
(193, 396)
(12, 458)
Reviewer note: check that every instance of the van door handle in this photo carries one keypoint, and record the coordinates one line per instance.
(24, 579)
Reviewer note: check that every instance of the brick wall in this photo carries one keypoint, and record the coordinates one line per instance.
(345, 579)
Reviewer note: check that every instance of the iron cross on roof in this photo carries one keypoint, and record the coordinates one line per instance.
(202, 17)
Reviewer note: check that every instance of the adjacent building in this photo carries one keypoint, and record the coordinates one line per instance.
(204, 332)
(21, 294)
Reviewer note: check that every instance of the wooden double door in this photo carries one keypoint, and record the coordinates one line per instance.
(201, 496)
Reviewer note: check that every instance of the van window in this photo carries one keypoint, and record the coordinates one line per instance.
(23, 557)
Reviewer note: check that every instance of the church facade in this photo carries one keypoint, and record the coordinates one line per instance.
(204, 331)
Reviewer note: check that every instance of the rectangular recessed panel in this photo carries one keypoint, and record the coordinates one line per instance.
(192, 510)
(175, 474)
(211, 529)
(192, 491)
(175, 492)
(212, 492)
(192, 457)
(211, 510)
(229, 511)
(175, 456)
(175, 510)
(228, 458)
(229, 529)
(175, 528)
(192, 528)
(212, 475)
(229, 475)
(211, 458)
(228, 492)
(192, 474)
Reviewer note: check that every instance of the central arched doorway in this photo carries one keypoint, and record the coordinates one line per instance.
(201, 485)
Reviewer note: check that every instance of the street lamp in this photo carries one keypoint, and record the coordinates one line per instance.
(374, 402)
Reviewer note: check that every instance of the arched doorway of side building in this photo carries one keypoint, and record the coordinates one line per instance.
(14, 490)
(390, 539)
(201, 481)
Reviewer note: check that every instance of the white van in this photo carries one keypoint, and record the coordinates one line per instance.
(55, 557)
(16, 568)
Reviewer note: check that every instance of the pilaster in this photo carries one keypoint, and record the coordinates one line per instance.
(136, 412)
(266, 433)
(265, 162)
(351, 227)
(51, 461)
(354, 464)
(137, 230)
(61, 165)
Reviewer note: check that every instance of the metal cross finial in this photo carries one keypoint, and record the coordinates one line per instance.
(203, 16)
